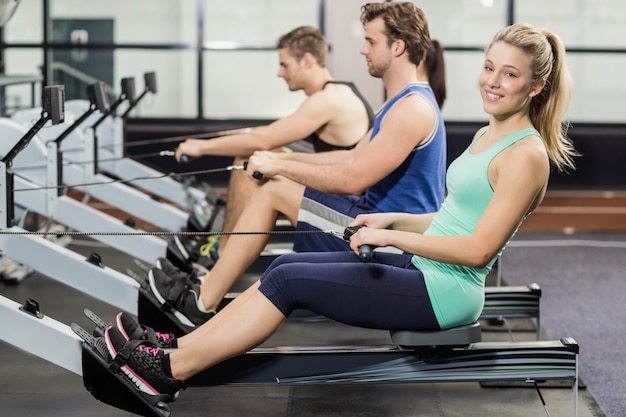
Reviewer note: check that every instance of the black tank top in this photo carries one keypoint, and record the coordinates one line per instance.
(320, 145)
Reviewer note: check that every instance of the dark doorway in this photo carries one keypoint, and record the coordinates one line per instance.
(78, 67)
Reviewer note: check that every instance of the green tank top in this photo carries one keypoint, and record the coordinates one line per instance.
(456, 291)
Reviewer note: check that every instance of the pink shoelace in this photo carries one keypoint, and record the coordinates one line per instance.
(154, 351)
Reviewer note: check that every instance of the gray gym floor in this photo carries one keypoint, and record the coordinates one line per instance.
(30, 386)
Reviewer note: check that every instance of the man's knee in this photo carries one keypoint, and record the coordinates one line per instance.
(283, 195)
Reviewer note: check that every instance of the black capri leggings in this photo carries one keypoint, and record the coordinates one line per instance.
(388, 293)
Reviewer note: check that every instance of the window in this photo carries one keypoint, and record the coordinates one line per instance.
(216, 59)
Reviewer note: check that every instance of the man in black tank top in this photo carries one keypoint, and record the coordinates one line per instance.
(335, 115)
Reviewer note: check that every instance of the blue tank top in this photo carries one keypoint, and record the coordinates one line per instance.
(418, 184)
(457, 291)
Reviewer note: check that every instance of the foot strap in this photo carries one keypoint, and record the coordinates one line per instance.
(123, 355)
(145, 333)
(174, 295)
(150, 335)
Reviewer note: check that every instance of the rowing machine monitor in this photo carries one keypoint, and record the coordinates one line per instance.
(128, 89)
(53, 103)
(97, 96)
(149, 79)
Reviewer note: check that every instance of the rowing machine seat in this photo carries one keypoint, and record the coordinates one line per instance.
(453, 337)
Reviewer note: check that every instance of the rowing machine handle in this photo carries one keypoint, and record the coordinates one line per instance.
(256, 175)
(365, 251)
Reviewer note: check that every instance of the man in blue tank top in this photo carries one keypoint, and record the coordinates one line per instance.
(398, 166)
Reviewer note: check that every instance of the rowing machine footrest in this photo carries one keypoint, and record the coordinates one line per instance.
(453, 337)
(111, 388)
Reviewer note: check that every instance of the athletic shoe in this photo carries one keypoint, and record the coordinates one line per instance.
(180, 297)
(167, 266)
(198, 248)
(208, 251)
(174, 272)
(131, 330)
(209, 247)
(141, 363)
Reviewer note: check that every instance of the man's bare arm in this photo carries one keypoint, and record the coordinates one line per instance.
(372, 160)
(312, 114)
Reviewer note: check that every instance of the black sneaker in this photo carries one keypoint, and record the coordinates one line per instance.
(174, 272)
(180, 297)
(202, 249)
(131, 330)
(167, 266)
(140, 362)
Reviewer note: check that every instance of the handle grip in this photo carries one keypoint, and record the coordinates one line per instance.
(256, 174)
(366, 253)
(184, 159)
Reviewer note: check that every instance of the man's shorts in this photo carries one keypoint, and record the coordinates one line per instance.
(323, 211)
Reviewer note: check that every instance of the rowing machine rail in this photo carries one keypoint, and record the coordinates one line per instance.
(475, 362)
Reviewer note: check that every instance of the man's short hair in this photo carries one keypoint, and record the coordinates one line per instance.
(305, 39)
(403, 21)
